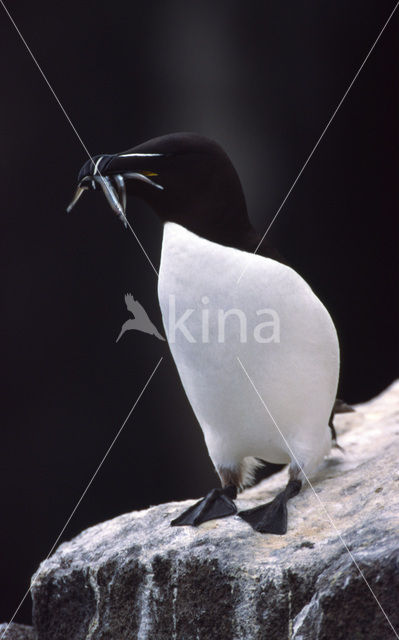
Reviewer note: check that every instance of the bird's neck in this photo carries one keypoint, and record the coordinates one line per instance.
(237, 233)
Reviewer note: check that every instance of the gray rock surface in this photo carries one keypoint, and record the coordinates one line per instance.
(16, 632)
(135, 577)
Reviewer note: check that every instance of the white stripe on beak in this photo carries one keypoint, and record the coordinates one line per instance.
(96, 165)
(140, 155)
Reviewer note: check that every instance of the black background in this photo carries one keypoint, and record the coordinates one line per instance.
(262, 78)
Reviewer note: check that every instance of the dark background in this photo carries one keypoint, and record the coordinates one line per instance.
(262, 78)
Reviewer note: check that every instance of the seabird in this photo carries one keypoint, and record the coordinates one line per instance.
(268, 395)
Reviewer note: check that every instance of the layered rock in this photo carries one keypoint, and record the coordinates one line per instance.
(16, 632)
(335, 574)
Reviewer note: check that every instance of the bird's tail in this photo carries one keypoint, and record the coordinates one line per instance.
(340, 406)
(254, 470)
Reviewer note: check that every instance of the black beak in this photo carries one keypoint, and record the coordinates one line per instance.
(94, 172)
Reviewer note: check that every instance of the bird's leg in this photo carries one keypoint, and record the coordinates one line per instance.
(272, 517)
(339, 407)
(218, 503)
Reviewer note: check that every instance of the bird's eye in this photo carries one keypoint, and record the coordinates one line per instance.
(149, 174)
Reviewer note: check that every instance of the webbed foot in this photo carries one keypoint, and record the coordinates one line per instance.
(272, 517)
(218, 503)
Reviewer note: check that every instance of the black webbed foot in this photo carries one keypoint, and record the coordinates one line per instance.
(272, 517)
(218, 503)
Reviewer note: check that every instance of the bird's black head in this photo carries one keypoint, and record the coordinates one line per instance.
(186, 178)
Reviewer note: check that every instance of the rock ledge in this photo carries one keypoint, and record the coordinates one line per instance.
(16, 632)
(135, 577)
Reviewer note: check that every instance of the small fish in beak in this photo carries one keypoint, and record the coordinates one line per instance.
(121, 190)
(110, 173)
(116, 197)
(143, 178)
(75, 198)
(112, 195)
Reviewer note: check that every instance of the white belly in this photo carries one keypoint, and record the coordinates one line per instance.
(295, 372)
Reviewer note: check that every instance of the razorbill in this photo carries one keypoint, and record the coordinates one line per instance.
(256, 350)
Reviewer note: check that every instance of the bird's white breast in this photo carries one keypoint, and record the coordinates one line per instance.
(293, 362)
